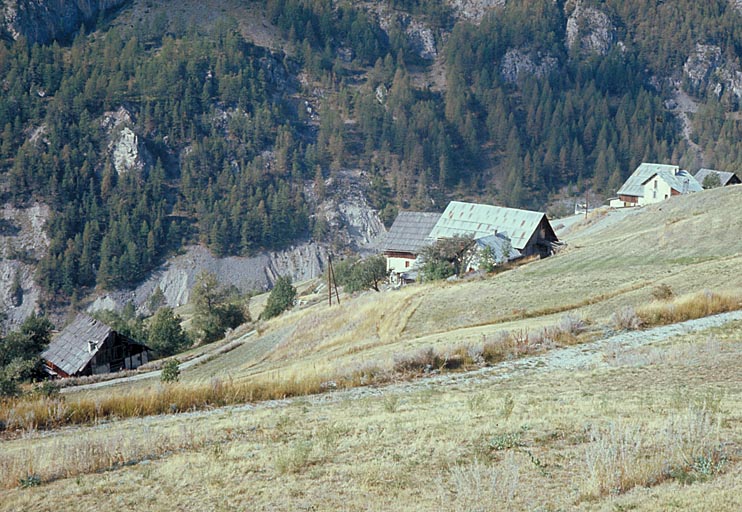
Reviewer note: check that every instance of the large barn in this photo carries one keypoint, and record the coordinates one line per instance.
(529, 232)
(89, 347)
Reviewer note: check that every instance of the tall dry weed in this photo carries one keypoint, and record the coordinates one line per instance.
(688, 307)
(621, 455)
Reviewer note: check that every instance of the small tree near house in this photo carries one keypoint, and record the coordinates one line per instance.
(447, 257)
(356, 275)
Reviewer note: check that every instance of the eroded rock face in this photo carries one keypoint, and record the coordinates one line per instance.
(517, 64)
(591, 30)
(42, 21)
(23, 241)
(127, 150)
(418, 33)
(474, 10)
(707, 70)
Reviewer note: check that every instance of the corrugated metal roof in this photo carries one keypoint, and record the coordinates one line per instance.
(410, 232)
(498, 244)
(70, 350)
(724, 176)
(634, 186)
(481, 220)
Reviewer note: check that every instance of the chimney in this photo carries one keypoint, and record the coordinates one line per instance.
(92, 346)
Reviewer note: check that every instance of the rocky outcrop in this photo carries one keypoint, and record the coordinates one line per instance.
(517, 64)
(127, 151)
(474, 10)
(737, 4)
(419, 35)
(23, 242)
(707, 71)
(590, 30)
(42, 21)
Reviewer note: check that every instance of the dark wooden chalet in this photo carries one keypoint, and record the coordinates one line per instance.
(89, 347)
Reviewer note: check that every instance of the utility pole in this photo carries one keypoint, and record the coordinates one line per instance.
(587, 201)
(331, 282)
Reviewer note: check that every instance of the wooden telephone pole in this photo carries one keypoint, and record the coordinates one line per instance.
(331, 281)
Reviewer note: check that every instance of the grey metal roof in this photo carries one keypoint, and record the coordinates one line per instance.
(682, 181)
(498, 244)
(70, 351)
(634, 186)
(481, 220)
(724, 176)
(410, 232)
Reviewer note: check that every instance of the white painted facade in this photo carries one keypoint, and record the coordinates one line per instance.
(398, 264)
(655, 190)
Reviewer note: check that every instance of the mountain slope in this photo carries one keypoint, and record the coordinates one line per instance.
(228, 124)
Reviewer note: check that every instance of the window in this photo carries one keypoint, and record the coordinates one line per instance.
(406, 264)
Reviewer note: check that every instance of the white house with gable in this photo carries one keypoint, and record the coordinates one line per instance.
(652, 183)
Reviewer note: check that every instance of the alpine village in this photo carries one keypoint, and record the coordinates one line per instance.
(340, 255)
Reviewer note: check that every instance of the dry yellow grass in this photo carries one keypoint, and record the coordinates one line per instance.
(621, 436)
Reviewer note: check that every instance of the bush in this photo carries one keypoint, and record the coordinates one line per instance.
(626, 319)
(171, 371)
(663, 292)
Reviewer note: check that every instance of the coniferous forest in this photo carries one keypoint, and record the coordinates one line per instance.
(235, 150)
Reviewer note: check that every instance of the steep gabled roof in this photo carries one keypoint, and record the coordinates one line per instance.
(680, 181)
(634, 186)
(481, 220)
(724, 177)
(410, 232)
(71, 350)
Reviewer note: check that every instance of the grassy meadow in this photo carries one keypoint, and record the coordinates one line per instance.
(656, 427)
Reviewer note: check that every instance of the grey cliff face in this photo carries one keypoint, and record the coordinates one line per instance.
(591, 30)
(708, 70)
(42, 21)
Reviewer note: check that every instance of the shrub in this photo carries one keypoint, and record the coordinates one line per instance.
(294, 457)
(171, 371)
(663, 292)
(626, 319)
(621, 456)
